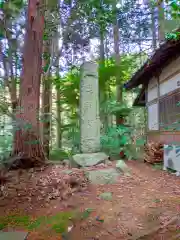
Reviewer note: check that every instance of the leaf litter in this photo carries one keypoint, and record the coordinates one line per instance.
(147, 199)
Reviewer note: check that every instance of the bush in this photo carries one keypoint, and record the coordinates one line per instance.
(59, 154)
(116, 139)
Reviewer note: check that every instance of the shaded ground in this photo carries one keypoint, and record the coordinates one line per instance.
(146, 200)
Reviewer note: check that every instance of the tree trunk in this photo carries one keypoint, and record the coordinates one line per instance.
(12, 85)
(103, 94)
(117, 64)
(153, 27)
(47, 90)
(27, 143)
(161, 21)
(58, 89)
(59, 120)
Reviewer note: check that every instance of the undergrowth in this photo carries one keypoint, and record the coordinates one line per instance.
(58, 223)
(58, 154)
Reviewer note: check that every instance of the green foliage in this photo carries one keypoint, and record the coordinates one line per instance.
(175, 14)
(6, 138)
(107, 71)
(59, 154)
(10, 9)
(116, 139)
(120, 138)
(86, 213)
(99, 13)
(69, 86)
(173, 36)
(5, 146)
(175, 7)
(115, 108)
(73, 136)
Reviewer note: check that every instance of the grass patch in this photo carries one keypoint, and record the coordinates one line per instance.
(85, 214)
(35, 224)
(59, 222)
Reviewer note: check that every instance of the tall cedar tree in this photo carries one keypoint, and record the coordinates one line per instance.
(27, 141)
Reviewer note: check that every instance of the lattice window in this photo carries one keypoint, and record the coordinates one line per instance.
(170, 112)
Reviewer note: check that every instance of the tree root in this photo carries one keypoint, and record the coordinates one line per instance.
(28, 151)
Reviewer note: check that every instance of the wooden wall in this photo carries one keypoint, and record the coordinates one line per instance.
(160, 86)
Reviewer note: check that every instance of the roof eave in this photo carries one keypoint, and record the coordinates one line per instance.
(168, 50)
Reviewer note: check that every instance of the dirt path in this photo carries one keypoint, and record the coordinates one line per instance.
(140, 203)
(145, 200)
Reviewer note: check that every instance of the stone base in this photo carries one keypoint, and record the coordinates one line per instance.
(88, 159)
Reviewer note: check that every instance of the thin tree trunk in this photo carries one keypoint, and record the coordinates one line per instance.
(47, 96)
(58, 90)
(27, 143)
(153, 28)
(161, 22)
(12, 85)
(117, 64)
(10, 79)
(152, 9)
(103, 94)
(59, 120)
(106, 48)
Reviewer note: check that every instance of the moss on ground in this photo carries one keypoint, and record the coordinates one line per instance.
(59, 222)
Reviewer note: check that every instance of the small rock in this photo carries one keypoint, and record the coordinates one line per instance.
(101, 165)
(109, 163)
(66, 162)
(122, 167)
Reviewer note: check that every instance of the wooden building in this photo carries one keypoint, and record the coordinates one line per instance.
(160, 93)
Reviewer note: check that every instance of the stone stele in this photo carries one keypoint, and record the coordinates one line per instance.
(89, 118)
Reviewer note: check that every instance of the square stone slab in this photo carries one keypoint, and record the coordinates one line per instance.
(13, 235)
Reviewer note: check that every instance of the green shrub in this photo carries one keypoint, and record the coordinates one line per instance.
(58, 154)
(116, 139)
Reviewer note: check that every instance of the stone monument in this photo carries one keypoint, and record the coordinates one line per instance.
(89, 118)
(89, 108)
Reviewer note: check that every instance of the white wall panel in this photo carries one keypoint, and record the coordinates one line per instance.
(152, 94)
(152, 83)
(170, 85)
(173, 67)
(153, 117)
